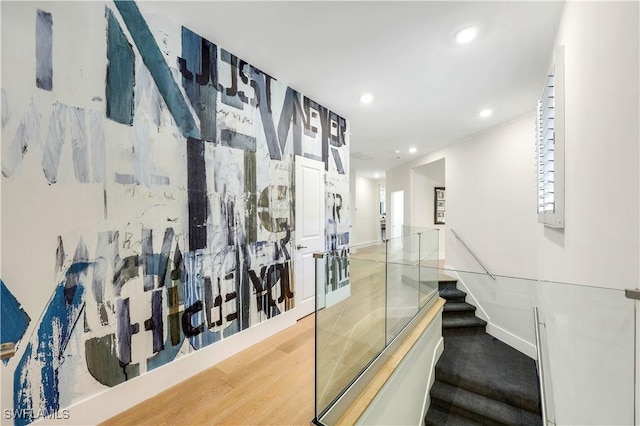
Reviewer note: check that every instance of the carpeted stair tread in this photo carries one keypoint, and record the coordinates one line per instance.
(452, 294)
(479, 407)
(446, 283)
(453, 306)
(462, 322)
(440, 416)
(483, 364)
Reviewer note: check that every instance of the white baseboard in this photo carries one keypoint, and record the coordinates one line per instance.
(496, 331)
(113, 401)
(480, 313)
(512, 340)
(437, 352)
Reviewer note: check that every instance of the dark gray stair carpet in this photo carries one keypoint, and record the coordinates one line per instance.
(453, 294)
(481, 363)
(462, 321)
(480, 408)
(479, 379)
(440, 416)
(457, 308)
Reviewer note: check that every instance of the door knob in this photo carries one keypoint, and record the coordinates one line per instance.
(300, 246)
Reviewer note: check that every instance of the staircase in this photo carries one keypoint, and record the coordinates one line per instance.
(479, 379)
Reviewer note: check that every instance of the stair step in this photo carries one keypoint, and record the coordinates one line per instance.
(462, 325)
(453, 294)
(438, 415)
(447, 284)
(455, 307)
(480, 408)
(485, 365)
(462, 322)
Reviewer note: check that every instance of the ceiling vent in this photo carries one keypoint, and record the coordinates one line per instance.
(361, 156)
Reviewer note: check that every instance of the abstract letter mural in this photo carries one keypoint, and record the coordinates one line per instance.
(147, 197)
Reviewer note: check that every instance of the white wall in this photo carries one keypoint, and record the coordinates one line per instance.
(425, 179)
(401, 401)
(366, 213)
(600, 245)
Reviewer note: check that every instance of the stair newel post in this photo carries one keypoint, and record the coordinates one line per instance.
(540, 366)
(386, 291)
(419, 268)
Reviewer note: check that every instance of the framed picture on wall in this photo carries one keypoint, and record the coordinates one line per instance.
(438, 205)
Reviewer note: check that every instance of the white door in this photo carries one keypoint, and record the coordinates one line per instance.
(309, 233)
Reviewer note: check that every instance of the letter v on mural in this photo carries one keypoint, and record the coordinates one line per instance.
(147, 197)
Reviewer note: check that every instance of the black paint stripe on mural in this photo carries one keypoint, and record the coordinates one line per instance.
(312, 156)
(260, 83)
(120, 73)
(165, 252)
(155, 323)
(250, 187)
(233, 139)
(44, 50)
(243, 283)
(338, 160)
(148, 261)
(197, 194)
(125, 331)
(291, 112)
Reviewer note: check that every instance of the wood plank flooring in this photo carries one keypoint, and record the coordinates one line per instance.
(270, 383)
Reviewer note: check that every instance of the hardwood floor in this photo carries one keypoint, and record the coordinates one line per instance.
(270, 383)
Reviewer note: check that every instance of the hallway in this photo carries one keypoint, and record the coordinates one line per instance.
(270, 383)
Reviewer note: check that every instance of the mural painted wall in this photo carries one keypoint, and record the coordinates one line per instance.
(147, 197)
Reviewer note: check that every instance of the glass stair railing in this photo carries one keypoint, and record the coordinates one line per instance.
(586, 338)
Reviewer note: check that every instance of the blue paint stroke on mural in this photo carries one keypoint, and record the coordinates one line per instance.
(198, 66)
(155, 62)
(120, 73)
(14, 319)
(36, 380)
(44, 50)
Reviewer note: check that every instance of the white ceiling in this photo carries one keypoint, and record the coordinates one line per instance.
(427, 90)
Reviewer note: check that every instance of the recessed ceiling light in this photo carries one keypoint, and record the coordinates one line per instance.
(366, 98)
(486, 113)
(397, 151)
(466, 35)
(412, 150)
(377, 175)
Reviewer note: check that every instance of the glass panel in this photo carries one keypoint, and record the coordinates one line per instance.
(429, 262)
(587, 333)
(587, 339)
(403, 278)
(350, 332)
